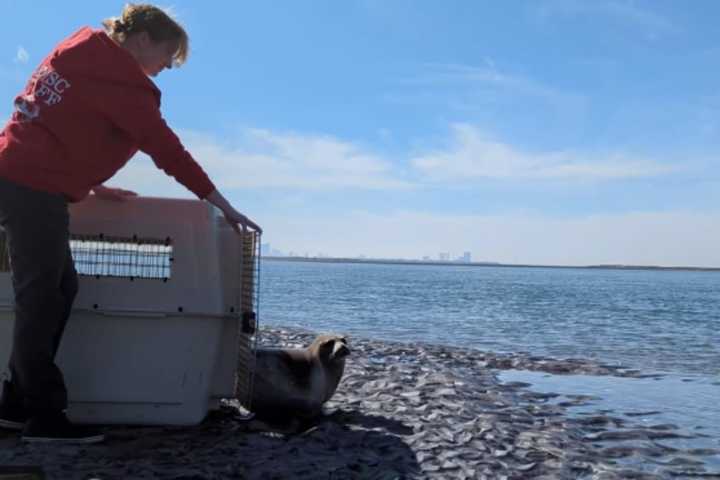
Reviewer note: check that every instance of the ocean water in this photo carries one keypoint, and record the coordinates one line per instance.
(654, 321)
(658, 322)
(689, 403)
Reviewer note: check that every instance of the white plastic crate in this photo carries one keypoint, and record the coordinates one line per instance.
(155, 334)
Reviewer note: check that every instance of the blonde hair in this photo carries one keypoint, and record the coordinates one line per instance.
(158, 24)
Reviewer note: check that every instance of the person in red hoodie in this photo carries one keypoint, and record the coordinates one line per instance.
(87, 109)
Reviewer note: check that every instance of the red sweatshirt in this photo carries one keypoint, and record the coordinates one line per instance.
(85, 112)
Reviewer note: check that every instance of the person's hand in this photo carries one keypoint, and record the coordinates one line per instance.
(113, 194)
(239, 221)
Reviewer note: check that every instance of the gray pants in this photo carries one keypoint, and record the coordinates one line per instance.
(45, 282)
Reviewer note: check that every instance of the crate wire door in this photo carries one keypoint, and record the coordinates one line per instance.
(248, 318)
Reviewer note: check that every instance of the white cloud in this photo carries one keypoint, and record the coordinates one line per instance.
(642, 238)
(466, 88)
(490, 78)
(260, 159)
(22, 55)
(473, 155)
(263, 159)
(651, 22)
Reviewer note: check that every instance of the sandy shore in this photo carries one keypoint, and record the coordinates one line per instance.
(401, 411)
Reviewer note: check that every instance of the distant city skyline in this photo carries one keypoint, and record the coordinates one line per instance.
(268, 250)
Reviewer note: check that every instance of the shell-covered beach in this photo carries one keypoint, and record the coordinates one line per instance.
(401, 411)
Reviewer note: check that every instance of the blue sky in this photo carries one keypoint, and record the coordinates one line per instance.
(548, 131)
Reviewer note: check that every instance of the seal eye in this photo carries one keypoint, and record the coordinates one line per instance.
(340, 351)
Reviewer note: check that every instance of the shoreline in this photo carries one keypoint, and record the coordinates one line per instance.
(401, 411)
(380, 261)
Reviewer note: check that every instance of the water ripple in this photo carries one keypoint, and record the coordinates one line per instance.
(652, 320)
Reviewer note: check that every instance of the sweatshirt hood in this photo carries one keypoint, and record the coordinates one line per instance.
(93, 55)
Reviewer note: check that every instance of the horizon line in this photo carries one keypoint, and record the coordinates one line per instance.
(400, 261)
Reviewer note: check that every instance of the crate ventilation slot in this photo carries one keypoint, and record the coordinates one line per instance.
(126, 257)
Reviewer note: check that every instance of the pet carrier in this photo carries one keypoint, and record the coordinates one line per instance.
(164, 324)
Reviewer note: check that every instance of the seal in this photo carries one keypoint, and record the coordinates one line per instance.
(295, 383)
